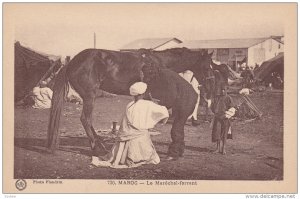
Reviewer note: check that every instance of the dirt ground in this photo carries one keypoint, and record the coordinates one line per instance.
(255, 153)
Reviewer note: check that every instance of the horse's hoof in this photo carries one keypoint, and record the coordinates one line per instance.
(224, 153)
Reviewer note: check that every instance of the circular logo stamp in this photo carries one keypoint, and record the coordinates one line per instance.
(21, 184)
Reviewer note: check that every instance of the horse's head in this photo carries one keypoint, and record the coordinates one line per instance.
(204, 73)
(222, 68)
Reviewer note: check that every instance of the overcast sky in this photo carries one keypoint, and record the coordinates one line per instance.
(61, 29)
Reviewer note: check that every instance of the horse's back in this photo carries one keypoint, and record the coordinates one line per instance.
(112, 71)
(91, 53)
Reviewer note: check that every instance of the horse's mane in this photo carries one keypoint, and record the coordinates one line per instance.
(176, 50)
(150, 69)
(169, 50)
(144, 51)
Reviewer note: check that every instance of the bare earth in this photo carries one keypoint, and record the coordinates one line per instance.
(255, 153)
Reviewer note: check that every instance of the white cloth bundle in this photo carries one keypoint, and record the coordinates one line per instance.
(245, 91)
(230, 113)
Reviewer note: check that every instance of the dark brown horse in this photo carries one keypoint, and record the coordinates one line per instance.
(182, 59)
(115, 72)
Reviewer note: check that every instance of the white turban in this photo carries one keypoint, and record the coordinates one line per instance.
(138, 88)
(36, 90)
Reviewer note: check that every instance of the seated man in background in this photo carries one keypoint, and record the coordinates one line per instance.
(248, 77)
(42, 96)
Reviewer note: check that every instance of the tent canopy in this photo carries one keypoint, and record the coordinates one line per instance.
(30, 66)
(276, 64)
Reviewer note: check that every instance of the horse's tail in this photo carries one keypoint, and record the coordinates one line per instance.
(58, 98)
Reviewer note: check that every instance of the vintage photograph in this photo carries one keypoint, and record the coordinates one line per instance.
(158, 94)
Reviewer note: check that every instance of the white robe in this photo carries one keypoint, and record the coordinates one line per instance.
(134, 146)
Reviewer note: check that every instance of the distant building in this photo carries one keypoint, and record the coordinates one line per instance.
(152, 43)
(265, 50)
(237, 51)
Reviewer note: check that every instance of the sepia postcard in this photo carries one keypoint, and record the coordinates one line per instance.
(150, 98)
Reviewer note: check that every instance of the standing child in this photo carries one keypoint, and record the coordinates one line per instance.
(223, 110)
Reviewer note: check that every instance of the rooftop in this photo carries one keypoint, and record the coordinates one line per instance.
(149, 43)
(222, 43)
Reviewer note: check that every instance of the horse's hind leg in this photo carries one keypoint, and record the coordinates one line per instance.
(98, 138)
(86, 120)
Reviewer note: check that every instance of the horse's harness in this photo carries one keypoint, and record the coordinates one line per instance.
(210, 77)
